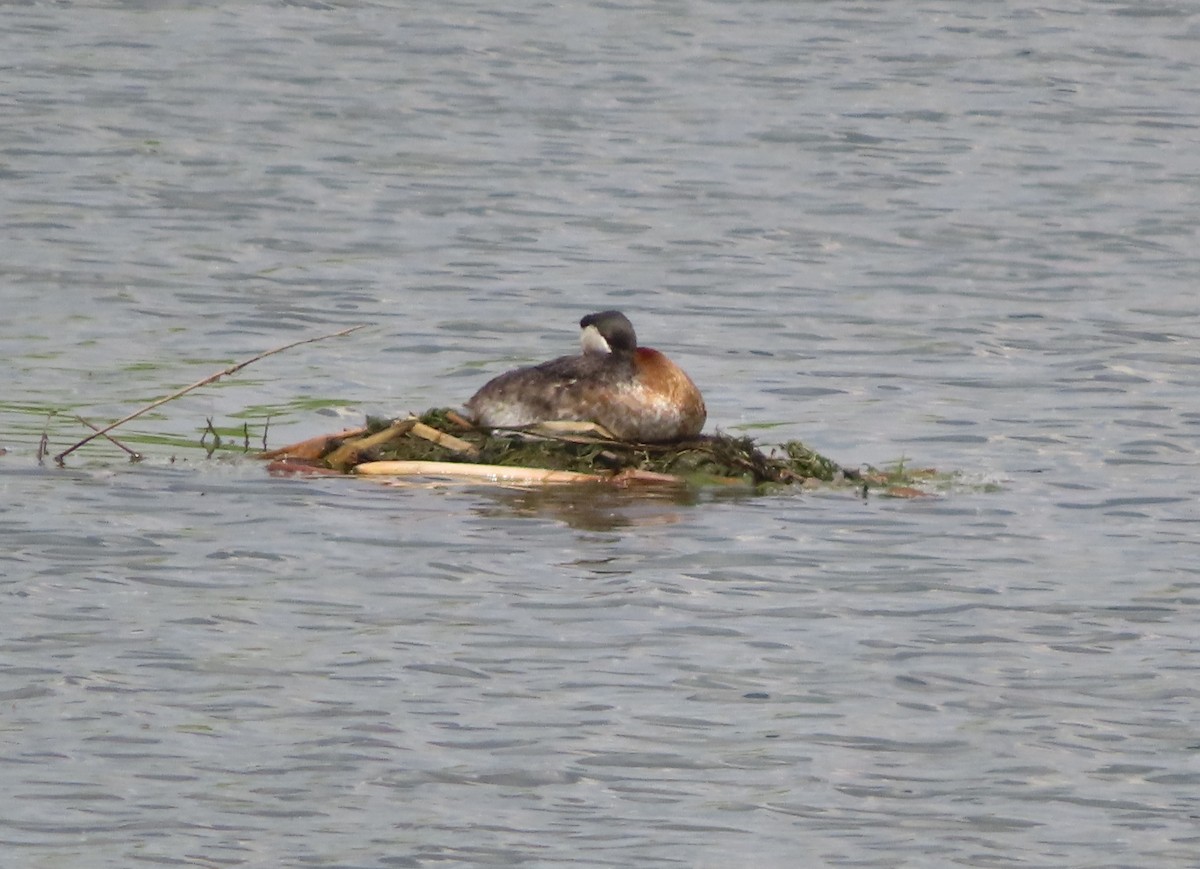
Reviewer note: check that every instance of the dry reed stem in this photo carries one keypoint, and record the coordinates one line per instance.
(566, 430)
(459, 420)
(314, 447)
(482, 473)
(134, 455)
(348, 453)
(448, 441)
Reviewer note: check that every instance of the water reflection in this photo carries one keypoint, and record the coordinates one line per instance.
(590, 507)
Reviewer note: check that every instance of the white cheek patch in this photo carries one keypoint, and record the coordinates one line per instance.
(592, 341)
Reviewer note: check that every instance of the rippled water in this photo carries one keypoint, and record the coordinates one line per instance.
(956, 235)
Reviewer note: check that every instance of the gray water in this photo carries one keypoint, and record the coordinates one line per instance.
(952, 234)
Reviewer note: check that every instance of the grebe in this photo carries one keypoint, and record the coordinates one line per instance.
(636, 393)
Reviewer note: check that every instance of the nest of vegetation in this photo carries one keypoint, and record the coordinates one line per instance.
(441, 443)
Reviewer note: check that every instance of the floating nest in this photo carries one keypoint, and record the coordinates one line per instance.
(441, 443)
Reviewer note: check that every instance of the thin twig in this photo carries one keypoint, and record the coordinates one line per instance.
(134, 455)
(211, 378)
(216, 445)
(44, 443)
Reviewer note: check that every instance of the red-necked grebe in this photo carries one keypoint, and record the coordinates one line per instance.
(635, 392)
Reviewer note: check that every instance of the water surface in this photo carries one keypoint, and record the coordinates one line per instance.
(954, 236)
